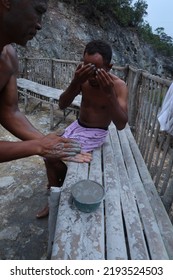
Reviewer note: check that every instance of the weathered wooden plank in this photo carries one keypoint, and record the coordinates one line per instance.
(165, 189)
(44, 91)
(154, 239)
(149, 116)
(46, 94)
(68, 235)
(115, 238)
(79, 235)
(61, 247)
(95, 229)
(136, 241)
(54, 198)
(135, 225)
(144, 112)
(38, 88)
(167, 198)
(162, 218)
(163, 158)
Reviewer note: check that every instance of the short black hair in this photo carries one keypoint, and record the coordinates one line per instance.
(101, 47)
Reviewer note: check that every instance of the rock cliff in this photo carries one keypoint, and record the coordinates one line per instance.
(66, 31)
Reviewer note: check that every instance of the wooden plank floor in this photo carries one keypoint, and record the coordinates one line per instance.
(131, 223)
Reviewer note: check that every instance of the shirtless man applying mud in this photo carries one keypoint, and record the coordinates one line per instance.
(104, 97)
(19, 22)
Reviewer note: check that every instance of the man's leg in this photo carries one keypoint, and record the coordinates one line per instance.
(56, 171)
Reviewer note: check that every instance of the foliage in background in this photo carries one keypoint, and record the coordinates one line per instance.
(127, 14)
(160, 41)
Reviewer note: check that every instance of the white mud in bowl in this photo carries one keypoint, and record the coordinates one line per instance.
(87, 195)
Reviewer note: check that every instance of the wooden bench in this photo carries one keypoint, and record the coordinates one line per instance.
(45, 94)
(131, 223)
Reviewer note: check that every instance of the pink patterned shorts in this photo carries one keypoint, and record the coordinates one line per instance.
(89, 138)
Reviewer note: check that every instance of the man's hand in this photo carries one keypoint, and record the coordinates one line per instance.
(83, 72)
(53, 146)
(105, 81)
(81, 158)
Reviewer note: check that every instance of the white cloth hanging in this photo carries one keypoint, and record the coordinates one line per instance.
(165, 116)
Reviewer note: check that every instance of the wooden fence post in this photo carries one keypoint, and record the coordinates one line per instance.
(133, 86)
(26, 68)
(167, 198)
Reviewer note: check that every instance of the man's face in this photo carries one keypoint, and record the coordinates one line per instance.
(97, 60)
(24, 19)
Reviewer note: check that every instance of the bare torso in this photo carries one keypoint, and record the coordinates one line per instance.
(94, 110)
(95, 106)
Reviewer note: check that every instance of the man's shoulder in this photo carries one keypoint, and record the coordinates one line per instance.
(9, 65)
(117, 80)
(10, 57)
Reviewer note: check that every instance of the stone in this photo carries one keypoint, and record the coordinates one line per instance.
(6, 181)
(10, 233)
(65, 33)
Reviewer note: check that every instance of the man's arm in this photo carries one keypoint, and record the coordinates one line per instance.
(67, 97)
(16, 122)
(81, 75)
(35, 143)
(49, 146)
(11, 117)
(118, 105)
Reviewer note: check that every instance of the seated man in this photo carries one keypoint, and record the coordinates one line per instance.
(104, 99)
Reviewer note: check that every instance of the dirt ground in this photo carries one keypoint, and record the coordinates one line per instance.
(22, 194)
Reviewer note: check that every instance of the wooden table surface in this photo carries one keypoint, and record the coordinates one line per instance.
(131, 222)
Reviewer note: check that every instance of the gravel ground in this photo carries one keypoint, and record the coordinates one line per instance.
(22, 193)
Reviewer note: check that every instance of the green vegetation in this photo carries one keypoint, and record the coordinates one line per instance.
(129, 15)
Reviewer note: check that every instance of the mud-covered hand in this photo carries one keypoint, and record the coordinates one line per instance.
(105, 81)
(83, 72)
(81, 158)
(53, 146)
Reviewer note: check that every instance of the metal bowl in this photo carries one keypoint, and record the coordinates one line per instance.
(87, 195)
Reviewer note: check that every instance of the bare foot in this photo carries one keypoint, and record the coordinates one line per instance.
(43, 213)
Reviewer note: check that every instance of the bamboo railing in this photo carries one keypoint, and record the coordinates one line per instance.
(146, 93)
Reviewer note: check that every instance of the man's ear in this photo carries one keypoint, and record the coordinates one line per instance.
(6, 3)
